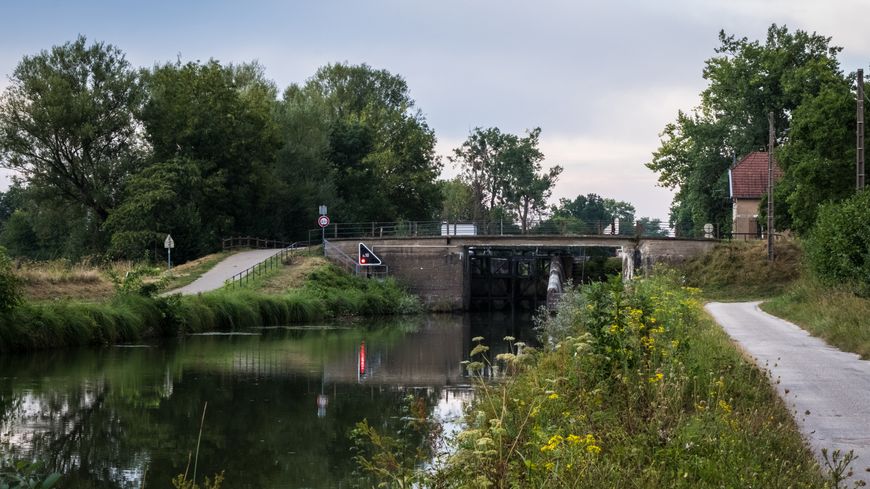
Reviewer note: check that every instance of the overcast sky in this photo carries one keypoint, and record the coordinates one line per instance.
(600, 78)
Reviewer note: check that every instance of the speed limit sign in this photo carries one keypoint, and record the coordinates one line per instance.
(323, 221)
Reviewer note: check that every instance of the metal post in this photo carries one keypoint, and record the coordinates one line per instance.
(860, 131)
(169, 257)
(770, 145)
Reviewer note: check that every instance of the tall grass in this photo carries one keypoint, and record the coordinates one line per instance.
(636, 387)
(832, 313)
(131, 317)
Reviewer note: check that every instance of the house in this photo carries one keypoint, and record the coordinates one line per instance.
(747, 181)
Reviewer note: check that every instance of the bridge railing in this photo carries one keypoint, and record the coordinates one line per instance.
(554, 226)
(255, 243)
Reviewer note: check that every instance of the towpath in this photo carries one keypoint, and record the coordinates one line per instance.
(827, 390)
(231, 265)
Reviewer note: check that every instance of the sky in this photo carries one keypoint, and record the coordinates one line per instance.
(601, 78)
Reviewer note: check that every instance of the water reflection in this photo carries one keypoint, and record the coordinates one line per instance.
(281, 402)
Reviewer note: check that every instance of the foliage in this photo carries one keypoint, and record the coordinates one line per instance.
(590, 213)
(747, 79)
(837, 247)
(503, 173)
(25, 475)
(739, 270)
(458, 200)
(636, 388)
(181, 482)
(67, 123)
(10, 286)
(376, 134)
(833, 313)
(135, 313)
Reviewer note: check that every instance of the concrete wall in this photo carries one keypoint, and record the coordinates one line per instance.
(671, 251)
(430, 268)
(436, 268)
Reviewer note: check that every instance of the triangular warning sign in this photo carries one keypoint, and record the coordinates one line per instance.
(367, 257)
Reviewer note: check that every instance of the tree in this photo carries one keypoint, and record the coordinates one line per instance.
(481, 159)
(591, 213)
(381, 149)
(525, 189)
(67, 123)
(459, 204)
(747, 80)
(221, 118)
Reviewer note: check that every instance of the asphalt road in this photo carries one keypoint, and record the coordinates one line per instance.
(827, 390)
(233, 264)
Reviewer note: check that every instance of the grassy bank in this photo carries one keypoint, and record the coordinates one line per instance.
(739, 270)
(636, 387)
(834, 314)
(131, 317)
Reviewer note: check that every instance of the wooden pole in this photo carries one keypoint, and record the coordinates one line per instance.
(770, 144)
(860, 132)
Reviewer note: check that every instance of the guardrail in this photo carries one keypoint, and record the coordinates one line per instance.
(255, 243)
(343, 260)
(246, 276)
(404, 229)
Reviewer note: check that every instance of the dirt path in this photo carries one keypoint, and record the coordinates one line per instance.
(827, 390)
(233, 264)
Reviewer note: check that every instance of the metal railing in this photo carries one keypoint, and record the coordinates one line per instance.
(556, 226)
(255, 243)
(246, 276)
(343, 260)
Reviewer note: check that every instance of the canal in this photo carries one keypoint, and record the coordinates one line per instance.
(280, 403)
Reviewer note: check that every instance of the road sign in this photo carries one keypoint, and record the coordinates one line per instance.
(169, 243)
(367, 257)
(323, 221)
(323, 210)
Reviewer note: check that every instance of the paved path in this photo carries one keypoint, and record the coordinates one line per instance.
(231, 265)
(827, 390)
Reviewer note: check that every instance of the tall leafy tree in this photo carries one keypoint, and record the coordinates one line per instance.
(67, 123)
(483, 168)
(525, 188)
(381, 148)
(220, 117)
(747, 79)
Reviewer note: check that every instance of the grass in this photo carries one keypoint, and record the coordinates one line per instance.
(327, 292)
(636, 387)
(834, 314)
(61, 279)
(291, 276)
(739, 270)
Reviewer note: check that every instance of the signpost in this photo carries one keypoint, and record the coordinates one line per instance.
(323, 222)
(169, 243)
(367, 257)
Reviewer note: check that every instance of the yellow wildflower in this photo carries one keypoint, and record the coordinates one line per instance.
(553, 396)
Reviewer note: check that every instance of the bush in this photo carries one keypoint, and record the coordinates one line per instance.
(10, 293)
(838, 247)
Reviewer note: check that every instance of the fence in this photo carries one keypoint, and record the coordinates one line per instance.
(255, 243)
(556, 226)
(245, 277)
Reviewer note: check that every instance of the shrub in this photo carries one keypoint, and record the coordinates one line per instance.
(838, 247)
(10, 294)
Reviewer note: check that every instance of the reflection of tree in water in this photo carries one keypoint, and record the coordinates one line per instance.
(108, 418)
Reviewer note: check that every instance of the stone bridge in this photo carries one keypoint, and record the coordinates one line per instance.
(451, 273)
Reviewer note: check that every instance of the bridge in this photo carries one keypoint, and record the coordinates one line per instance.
(455, 268)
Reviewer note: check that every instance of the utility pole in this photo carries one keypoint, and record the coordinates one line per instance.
(770, 144)
(860, 133)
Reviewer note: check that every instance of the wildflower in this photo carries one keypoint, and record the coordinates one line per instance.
(724, 406)
(593, 449)
(549, 465)
(573, 439)
(657, 377)
(553, 396)
(477, 339)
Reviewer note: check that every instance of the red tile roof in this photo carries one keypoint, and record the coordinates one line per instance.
(749, 176)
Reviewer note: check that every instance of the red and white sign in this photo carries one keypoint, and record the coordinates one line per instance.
(323, 221)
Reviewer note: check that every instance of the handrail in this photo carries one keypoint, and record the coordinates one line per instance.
(615, 227)
(255, 243)
(245, 277)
